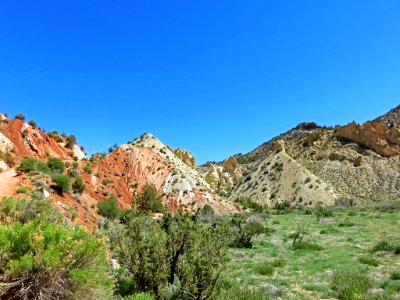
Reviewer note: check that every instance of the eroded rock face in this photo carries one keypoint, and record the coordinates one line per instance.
(218, 179)
(223, 178)
(186, 157)
(313, 137)
(279, 145)
(231, 166)
(373, 135)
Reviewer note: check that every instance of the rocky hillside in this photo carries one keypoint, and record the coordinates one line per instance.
(311, 165)
(392, 118)
(121, 173)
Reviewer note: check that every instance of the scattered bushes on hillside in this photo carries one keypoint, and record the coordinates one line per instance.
(109, 208)
(55, 135)
(30, 164)
(148, 201)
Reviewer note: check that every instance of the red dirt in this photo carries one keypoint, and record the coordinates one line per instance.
(8, 183)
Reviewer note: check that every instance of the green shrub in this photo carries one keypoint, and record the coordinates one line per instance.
(238, 292)
(30, 164)
(175, 258)
(87, 169)
(386, 245)
(56, 165)
(328, 230)
(56, 136)
(78, 186)
(109, 208)
(351, 285)
(395, 275)
(368, 260)
(62, 182)
(148, 201)
(346, 223)
(322, 212)
(265, 268)
(22, 190)
(307, 246)
(249, 203)
(280, 206)
(71, 142)
(245, 228)
(24, 211)
(54, 262)
(141, 296)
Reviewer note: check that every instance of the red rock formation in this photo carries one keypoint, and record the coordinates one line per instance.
(29, 141)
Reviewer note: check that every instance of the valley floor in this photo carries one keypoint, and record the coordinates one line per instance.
(346, 240)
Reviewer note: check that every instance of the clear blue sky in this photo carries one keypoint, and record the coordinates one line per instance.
(212, 77)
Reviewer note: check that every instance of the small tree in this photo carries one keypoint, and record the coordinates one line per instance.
(148, 201)
(20, 117)
(32, 123)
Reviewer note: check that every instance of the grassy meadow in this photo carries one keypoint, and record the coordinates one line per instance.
(346, 254)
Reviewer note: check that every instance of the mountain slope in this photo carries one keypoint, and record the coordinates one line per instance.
(355, 162)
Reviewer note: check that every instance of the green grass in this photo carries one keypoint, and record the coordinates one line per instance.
(347, 242)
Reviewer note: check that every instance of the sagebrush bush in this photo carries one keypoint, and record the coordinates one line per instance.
(24, 211)
(42, 260)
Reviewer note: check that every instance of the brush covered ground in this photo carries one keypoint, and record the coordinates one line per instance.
(350, 254)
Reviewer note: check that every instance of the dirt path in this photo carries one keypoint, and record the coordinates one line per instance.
(8, 183)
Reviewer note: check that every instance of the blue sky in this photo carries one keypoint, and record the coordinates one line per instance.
(212, 77)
